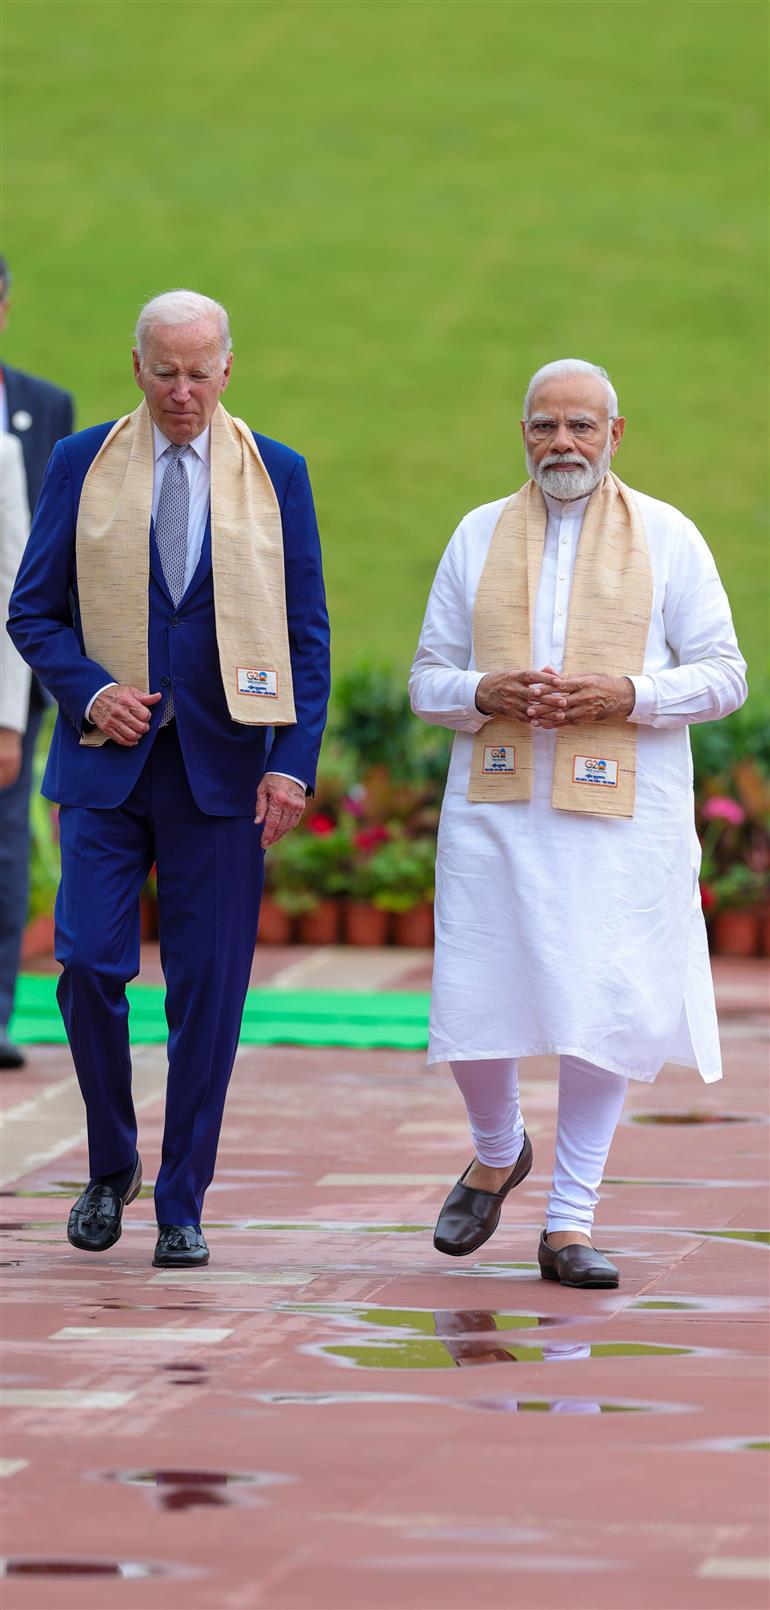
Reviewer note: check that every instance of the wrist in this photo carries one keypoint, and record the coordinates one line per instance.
(628, 695)
(479, 697)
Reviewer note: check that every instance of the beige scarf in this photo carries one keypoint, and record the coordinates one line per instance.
(609, 618)
(113, 567)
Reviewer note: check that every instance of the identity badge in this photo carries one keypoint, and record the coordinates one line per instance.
(592, 769)
(263, 684)
(499, 758)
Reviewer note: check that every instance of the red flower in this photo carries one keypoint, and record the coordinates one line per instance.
(707, 897)
(321, 824)
(369, 837)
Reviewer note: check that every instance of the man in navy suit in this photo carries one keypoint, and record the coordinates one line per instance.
(180, 782)
(38, 414)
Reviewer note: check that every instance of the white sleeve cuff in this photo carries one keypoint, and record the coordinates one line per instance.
(644, 705)
(91, 702)
(289, 775)
(478, 718)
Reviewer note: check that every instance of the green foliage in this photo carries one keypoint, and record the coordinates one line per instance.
(305, 868)
(407, 208)
(719, 746)
(402, 874)
(44, 842)
(372, 718)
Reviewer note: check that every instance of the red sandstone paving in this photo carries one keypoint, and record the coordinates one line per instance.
(397, 1455)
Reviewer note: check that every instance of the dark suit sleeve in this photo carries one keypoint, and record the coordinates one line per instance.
(40, 617)
(295, 749)
(65, 423)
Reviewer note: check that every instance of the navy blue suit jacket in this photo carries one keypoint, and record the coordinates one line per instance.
(51, 416)
(224, 759)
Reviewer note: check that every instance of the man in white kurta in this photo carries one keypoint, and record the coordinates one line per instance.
(559, 932)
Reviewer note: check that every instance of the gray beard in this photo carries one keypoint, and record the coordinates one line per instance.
(573, 483)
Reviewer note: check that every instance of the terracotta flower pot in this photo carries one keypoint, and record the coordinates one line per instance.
(735, 932)
(365, 924)
(319, 927)
(38, 937)
(274, 924)
(414, 928)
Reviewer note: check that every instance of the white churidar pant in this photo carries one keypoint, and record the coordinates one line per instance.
(590, 1103)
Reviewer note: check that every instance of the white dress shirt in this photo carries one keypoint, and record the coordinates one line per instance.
(15, 675)
(558, 932)
(196, 459)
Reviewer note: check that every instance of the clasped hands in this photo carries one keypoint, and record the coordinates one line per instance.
(546, 699)
(123, 714)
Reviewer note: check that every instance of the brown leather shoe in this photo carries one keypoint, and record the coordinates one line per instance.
(576, 1265)
(469, 1217)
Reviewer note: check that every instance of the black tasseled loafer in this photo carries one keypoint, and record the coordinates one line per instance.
(180, 1246)
(469, 1217)
(96, 1220)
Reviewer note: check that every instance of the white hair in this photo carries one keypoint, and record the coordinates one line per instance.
(181, 307)
(573, 366)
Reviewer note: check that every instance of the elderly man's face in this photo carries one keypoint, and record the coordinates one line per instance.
(569, 439)
(182, 373)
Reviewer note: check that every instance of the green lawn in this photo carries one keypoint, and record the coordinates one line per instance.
(407, 207)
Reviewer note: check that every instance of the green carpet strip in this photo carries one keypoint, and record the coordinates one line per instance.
(390, 1019)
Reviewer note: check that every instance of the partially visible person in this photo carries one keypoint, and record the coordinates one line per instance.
(34, 414)
(34, 410)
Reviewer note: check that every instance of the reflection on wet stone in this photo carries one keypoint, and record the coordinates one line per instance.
(181, 1490)
(695, 1117)
(503, 1405)
(126, 1569)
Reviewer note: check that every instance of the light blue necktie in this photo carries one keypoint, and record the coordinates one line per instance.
(171, 523)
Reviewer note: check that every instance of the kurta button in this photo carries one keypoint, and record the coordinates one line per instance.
(165, 681)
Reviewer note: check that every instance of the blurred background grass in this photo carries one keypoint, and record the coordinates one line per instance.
(407, 207)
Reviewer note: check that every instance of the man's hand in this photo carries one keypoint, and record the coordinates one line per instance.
(280, 803)
(123, 713)
(598, 698)
(10, 756)
(533, 696)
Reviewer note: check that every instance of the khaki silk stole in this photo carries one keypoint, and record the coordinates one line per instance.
(113, 567)
(609, 618)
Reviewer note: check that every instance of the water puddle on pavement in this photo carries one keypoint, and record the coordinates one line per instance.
(695, 1117)
(445, 1352)
(341, 1226)
(126, 1569)
(427, 1339)
(180, 1490)
(731, 1445)
(761, 1237)
(700, 1305)
(684, 1185)
(500, 1405)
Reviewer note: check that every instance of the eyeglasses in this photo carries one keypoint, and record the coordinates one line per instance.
(541, 429)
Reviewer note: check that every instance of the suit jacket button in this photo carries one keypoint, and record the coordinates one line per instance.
(175, 620)
(165, 681)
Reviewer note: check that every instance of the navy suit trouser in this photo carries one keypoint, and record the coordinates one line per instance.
(209, 872)
(14, 863)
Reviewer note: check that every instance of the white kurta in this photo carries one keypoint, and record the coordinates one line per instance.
(566, 933)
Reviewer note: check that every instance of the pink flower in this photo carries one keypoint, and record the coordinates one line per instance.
(320, 824)
(723, 810)
(369, 837)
